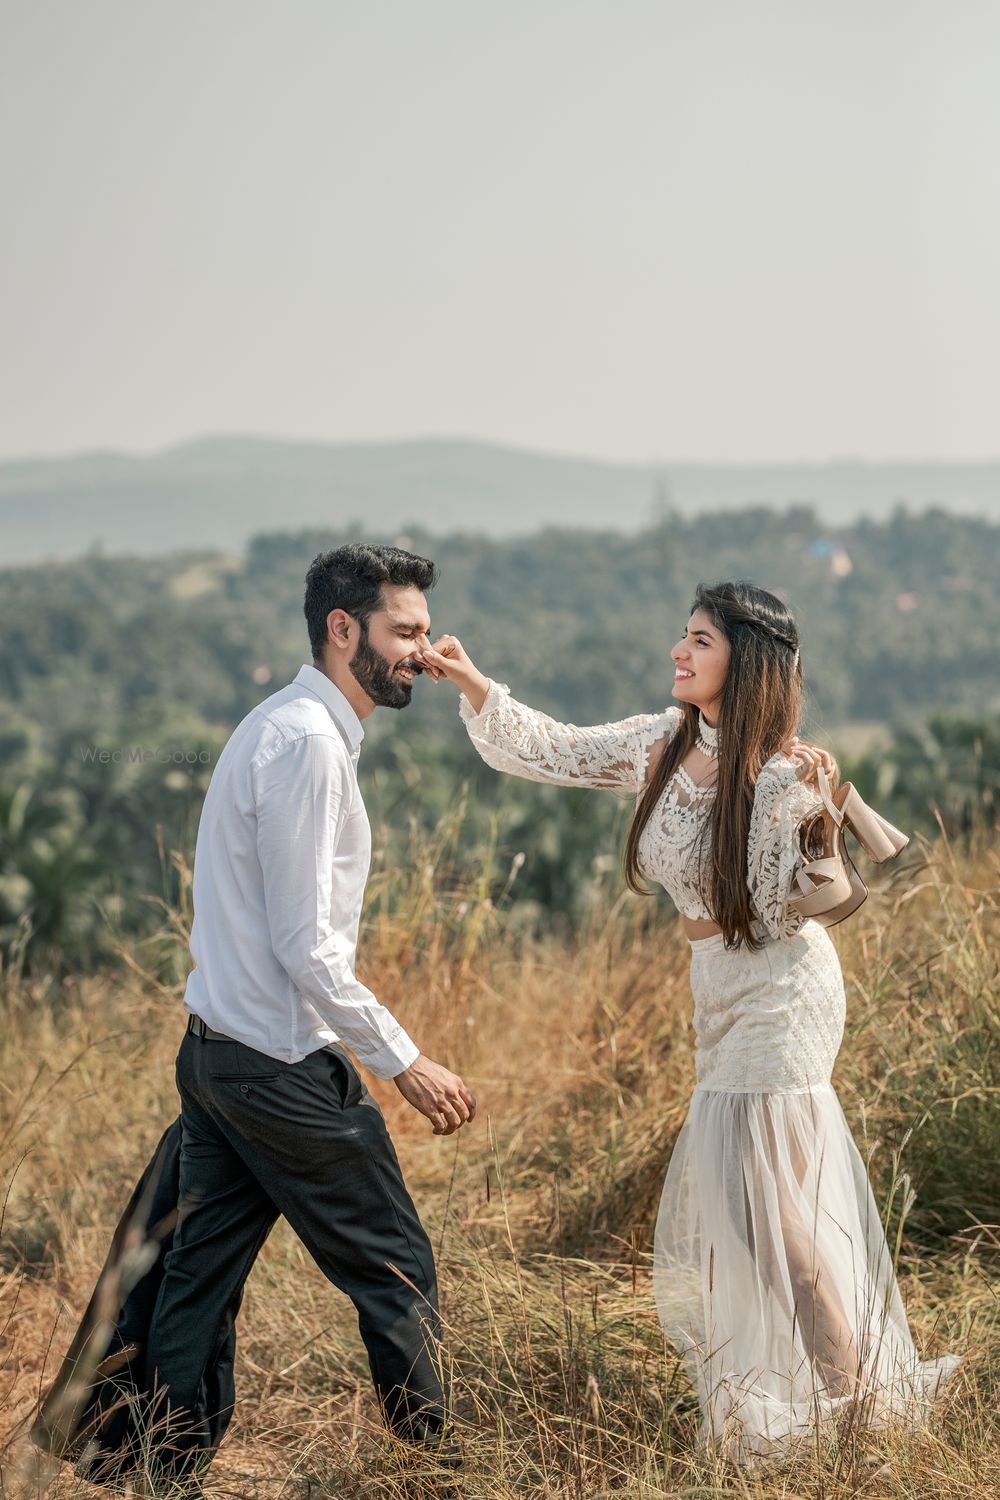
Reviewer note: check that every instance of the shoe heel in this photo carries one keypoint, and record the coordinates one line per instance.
(858, 896)
(879, 838)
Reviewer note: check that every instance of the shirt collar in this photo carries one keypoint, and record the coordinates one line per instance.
(317, 682)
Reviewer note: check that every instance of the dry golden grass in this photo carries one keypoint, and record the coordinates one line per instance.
(540, 1212)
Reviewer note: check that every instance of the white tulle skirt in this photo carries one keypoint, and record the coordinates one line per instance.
(771, 1270)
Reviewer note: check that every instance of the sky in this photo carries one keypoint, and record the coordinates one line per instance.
(719, 230)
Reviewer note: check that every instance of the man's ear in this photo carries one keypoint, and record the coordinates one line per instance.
(338, 629)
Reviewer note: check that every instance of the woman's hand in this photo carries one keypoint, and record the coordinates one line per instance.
(808, 757)
(448, 658)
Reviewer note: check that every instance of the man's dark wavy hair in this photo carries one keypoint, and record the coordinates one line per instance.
(351, 578)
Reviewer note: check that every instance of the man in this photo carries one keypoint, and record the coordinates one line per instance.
(275, 1118)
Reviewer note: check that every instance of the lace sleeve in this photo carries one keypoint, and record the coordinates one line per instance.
(514, 738)
(780, 800)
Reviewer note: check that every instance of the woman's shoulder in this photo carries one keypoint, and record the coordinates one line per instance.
(666, 720)
(651, 728)
(779, 779)
(779, 770)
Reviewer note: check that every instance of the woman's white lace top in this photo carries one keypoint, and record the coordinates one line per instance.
(674, 849)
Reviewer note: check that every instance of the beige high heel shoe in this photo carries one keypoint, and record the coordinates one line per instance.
(829, 886)
(879, 838)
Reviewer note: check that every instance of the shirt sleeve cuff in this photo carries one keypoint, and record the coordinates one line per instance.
(490, 702)
(392, 1058)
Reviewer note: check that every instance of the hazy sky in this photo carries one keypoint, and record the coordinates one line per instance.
(746, 230)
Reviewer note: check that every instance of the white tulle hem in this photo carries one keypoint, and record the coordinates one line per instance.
(746, 1422)
(774, 1280)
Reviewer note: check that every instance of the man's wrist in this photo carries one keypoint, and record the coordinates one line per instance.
(411, 1064)
(394, 1057)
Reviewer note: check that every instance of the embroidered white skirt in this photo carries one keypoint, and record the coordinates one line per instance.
(771, 1271)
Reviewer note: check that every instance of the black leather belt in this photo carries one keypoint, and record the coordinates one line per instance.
(197, 1025)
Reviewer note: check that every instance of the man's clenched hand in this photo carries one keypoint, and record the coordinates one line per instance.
(437, 1093)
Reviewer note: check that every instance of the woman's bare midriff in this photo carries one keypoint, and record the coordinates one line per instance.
(699, 927)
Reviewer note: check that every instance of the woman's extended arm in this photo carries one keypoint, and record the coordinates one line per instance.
(522, 741)
(512, 737)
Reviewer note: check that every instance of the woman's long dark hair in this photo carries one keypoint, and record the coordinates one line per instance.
(760, 709)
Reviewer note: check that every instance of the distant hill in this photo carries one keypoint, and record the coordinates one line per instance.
(219, 491)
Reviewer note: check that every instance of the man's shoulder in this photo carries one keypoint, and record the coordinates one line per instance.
(287, 718)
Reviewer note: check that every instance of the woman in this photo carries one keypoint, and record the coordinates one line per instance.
(771, 1270)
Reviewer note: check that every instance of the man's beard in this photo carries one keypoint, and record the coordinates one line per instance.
(380, 681)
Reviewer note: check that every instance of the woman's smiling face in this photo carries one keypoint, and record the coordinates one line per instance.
(701, 661)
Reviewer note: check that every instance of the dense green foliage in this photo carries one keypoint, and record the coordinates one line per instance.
(899, 621)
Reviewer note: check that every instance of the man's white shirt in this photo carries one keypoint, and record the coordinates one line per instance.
(281, 861)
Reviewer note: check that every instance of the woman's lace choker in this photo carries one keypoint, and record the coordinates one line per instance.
(708, 738)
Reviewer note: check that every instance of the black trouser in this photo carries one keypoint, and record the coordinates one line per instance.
(307, 1140)
(88, 1413)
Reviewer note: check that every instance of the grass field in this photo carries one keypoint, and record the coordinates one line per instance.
(541, 1211)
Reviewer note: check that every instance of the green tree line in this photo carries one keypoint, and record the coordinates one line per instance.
(120, 680)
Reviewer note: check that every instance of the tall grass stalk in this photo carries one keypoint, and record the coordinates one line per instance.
(541, 1212)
